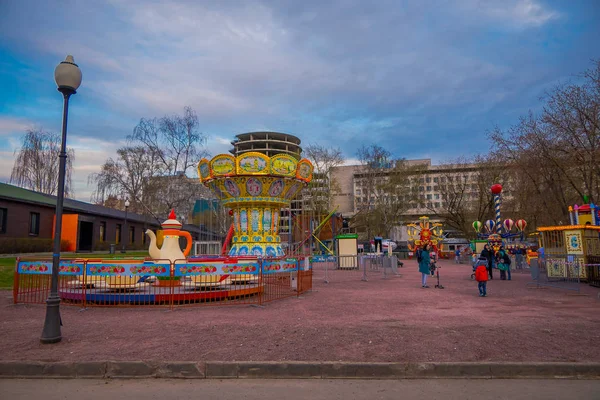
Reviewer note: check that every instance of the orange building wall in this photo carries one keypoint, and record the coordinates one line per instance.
(69, 230)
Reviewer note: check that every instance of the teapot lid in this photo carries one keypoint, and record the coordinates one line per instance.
(171, 223)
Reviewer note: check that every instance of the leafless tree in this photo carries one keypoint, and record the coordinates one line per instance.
(323, 187)
(37, 163)
(152, 171)
(464, 190)
(385, 190)
(557, 154)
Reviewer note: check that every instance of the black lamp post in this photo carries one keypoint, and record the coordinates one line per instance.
(126, 230)
(68, 78)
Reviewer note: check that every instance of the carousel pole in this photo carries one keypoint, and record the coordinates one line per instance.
(496, 191)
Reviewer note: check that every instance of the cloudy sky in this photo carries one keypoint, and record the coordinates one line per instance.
(425, 79)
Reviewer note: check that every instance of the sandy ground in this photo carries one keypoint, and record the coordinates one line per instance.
(347, 319)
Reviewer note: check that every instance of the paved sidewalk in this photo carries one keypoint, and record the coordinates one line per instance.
(455, 389)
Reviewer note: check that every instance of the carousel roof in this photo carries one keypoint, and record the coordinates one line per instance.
(568, 227)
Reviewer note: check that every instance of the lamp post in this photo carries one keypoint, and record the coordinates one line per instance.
(126, 230)
(68, 78)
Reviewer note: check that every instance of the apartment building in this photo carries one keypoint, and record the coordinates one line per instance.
(427, 190)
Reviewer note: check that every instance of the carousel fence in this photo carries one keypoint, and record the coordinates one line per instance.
(131, 283)
(593, 270)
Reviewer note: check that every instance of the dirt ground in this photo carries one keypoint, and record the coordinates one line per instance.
(343, 320)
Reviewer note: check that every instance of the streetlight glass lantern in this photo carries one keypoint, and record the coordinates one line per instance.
(126, 203)
(67, 75)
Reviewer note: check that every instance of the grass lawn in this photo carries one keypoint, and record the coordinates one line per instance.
(7, 264)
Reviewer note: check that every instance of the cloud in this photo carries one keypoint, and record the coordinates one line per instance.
(12, 126)
(521, 13)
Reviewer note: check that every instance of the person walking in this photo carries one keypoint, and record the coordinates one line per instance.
(481, 275)
(424, 259)
(503, 260)
(457, 256)
(488, 254)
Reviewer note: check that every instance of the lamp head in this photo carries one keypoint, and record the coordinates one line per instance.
(126, 203)
(67, 76)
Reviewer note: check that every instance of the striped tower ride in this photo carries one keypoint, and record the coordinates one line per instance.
(496, 191)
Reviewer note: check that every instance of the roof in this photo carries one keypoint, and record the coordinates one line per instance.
(16, 193)
(568, 227)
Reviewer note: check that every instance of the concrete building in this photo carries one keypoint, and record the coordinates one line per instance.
(269, 143)
(430, 184)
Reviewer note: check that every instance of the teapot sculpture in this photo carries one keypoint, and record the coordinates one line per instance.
(170, 249)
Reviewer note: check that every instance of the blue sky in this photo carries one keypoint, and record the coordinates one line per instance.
(423, 79)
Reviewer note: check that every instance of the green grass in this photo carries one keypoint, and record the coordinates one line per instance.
(7, 264)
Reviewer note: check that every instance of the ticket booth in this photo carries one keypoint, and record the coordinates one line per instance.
(347, 251)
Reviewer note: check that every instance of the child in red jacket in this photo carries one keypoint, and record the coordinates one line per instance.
(481, 275)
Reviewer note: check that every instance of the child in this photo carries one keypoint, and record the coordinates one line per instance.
(481, 275)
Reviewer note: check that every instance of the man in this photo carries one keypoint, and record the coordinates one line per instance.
(488, 254)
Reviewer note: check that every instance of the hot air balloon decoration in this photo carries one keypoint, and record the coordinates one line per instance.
(508, 225)
(477, 226)
(489, 225)
(521, 224)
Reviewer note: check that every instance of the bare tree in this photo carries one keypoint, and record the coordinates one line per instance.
(323, 187)
(385, 190)
(152, 171)
(557, 153)
(37, 163)
(465, 191)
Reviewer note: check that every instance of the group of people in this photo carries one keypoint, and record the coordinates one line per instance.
(484, 267)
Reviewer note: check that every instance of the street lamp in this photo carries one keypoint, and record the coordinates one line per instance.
(68, 78)
(126, 231)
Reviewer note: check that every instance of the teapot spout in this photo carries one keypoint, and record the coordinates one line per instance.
(153, 250)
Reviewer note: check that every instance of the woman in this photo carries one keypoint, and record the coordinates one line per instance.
(503, 263)
(424, 261)
(489, 255)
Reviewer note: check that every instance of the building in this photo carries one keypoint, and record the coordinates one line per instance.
(25, 214)
(268, 143)
(431, 185)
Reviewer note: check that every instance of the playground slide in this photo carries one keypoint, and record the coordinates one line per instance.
(227, 241)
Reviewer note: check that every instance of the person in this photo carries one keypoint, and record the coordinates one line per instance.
(503, 260)
(378, 243)
(457, 256)
(519, 257)
(424, 261)
(542, 256)
(481, 275)
(489, 256)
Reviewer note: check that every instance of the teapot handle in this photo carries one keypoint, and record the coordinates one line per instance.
(188, 246)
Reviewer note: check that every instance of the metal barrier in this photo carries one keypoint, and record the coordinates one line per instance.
(160, 283)
(354, 268)
(560, 272)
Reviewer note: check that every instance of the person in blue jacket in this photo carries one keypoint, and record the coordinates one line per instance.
(424, 259)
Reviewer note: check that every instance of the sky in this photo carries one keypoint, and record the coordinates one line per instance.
(423, 79)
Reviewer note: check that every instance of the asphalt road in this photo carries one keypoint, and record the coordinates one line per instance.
(314, 389)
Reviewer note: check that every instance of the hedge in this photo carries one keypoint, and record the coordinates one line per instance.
(29, 245)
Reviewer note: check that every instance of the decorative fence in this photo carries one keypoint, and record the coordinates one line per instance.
(561, 271)
(127, 283)
(354, 268)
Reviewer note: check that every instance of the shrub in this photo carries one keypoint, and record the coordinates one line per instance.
(29, 245)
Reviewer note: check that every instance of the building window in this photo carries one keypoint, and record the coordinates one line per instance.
(429, 188)
(435, 180)
(428, 197)
(421, 180)
(436, 188)
(437, 196)
(437, 204)
(421, 188)
(102, 231)
(34, 223)
(428, 180)
(3, 214)
(131, 234)
(443, 179)
(118, 234)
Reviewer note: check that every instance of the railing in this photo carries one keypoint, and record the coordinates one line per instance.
(161, 283)
(360, 267)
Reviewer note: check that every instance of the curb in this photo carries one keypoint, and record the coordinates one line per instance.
(295, 370)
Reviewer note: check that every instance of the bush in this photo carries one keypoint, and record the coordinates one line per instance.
(29, 245)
